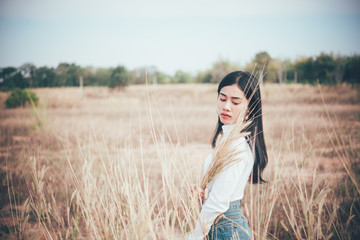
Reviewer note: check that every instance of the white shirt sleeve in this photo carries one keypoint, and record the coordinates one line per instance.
(219, 197)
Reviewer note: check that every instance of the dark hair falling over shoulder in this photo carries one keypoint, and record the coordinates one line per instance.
(250, 86)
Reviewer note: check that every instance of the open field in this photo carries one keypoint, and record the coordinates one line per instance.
(103, 164)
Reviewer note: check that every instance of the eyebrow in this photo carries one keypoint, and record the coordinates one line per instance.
(230, 96)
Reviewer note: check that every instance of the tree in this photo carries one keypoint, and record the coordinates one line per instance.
(352, 69)
(280, 71)
(88, 74)
(73, 75)
(6, 75)
(61, 74)
(183, 77)
(261, 65)
(339, 68)
(274, 71)
(17, 78)
(304, 70)
(324, 67)
(119, 77)
(204, 77)
(27, 71)
(288, 67)
(138, 75)
(68, 74)
(219, 70)
(162, 77)
(102, 76)
(44, 77)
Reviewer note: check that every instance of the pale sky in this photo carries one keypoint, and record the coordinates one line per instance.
(188, 35)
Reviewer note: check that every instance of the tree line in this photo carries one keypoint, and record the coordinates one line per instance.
(325, 68)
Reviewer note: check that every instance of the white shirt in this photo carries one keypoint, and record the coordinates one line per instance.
(227, 187)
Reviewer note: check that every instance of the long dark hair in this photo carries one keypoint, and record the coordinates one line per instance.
(250, 86)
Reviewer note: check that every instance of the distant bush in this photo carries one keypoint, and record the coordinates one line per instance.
(20, 97)
(119, 77)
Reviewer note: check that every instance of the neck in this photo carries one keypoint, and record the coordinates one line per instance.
(227, 128)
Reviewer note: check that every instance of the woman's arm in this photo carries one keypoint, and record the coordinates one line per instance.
(219, 197)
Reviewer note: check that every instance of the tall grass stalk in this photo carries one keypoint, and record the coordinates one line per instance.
(344, 147)
(116, 195)
(19, 216)
(225, 154)
(138, 187)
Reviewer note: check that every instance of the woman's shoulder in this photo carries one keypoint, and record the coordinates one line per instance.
(242, 147)
(240, 143)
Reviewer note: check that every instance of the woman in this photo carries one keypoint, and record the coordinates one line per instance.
(221, 216)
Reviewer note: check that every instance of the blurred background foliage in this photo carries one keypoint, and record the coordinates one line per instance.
(325, 68)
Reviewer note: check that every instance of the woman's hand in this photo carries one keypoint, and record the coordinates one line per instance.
(197, 193)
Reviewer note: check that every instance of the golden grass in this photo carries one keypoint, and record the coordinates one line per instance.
(224, 154)
(119, 164)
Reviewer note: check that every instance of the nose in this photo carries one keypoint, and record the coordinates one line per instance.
(226, 106)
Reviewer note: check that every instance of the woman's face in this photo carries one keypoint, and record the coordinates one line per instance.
(231, 103)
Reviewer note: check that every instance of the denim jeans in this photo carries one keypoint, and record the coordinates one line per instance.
(230, 225)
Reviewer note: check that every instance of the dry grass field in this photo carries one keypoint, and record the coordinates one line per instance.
(102, 164)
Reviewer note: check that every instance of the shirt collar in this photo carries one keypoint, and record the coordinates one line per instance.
(227, 128)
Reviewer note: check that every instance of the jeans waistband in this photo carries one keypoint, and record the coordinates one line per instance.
(235, 204)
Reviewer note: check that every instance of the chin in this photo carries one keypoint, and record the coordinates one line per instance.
(226, 122)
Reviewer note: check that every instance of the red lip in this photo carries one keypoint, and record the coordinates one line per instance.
(224, 115)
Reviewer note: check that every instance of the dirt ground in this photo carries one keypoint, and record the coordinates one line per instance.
(300, 122)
